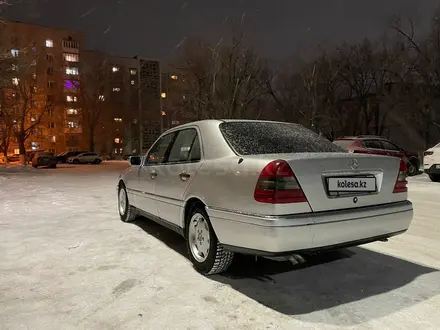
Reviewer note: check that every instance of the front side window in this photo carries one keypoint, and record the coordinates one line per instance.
(373, 144)
(159, 150)
(182, 146)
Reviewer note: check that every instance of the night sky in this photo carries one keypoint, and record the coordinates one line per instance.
(278, 29)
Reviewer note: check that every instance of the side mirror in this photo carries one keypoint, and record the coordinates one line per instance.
(134, 160)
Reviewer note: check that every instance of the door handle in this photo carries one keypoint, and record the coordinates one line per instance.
(184, 176)
(153, 174)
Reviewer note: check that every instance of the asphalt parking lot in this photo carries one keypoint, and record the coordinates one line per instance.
(68, 262)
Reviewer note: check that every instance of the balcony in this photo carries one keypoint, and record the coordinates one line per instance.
(73, 130)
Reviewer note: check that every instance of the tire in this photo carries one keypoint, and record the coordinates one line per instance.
(434, 177)
(127, 213)
(98, 161)
(413, 167)
(53, 166)
(76, 161)
(216, 259)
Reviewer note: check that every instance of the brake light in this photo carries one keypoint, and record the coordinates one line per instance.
(428, 153)
(401, 182)
(278, 185)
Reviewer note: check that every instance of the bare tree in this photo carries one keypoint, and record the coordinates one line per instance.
(92, 91)
(24, 103)
(225, 81)
(424, 61)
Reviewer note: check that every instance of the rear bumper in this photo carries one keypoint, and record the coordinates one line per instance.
(278, 235)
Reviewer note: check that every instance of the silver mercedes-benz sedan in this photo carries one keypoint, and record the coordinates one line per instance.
(264, 188)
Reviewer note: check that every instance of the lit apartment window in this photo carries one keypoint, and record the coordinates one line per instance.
(34, 76)
(72, 70)
(51, 84)
(163, 95)
(16, 151)
(174, 77)
(15, 81)
(34, 89)
(72, 124)
(70, 98)
(14, 67)
(53, 139)
(72, 111)
(115, 69)
(132, 82)
(133, 72)
(117, 140)
(33, 119)
(69, 57)
(101, 97)
(14, 52)
(116, 89)
(118, 119)
(34, 62)
(164, 113)
(69, 84)
(49, 43)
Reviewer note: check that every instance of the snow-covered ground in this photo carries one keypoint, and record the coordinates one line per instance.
(68, 262)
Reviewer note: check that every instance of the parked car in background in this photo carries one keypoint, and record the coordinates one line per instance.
(270, 189)
(62, 158)
(376, 145)
(431, 163)
(44, 159)
(85, 158)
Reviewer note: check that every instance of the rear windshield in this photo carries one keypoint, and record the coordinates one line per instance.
(343, 143)
(258, 138)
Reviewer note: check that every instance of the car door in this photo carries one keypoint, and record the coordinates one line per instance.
(176, 174)
(144, 192)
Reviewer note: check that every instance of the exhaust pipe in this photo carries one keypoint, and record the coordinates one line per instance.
(296, 259)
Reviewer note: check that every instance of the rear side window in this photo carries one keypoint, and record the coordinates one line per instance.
(180, 151)
(259, 138)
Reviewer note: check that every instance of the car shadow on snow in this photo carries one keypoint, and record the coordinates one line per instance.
(325, 282)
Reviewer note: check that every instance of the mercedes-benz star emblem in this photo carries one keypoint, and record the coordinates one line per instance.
(354, 164)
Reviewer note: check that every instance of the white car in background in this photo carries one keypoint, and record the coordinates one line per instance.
(431, 163)
(85, 158)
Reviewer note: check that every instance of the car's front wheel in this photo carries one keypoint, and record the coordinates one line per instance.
(127, 212)
(204, 249)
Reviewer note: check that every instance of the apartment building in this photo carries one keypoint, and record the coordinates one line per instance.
(54, 57)
(129, 88)
(63, 73)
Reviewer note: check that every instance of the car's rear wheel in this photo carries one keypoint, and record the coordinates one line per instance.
(413, 167)
(434, 177)
(204, 249)
(127, 212)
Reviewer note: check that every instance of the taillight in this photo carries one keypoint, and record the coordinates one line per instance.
(428, 153)
(278, 185)
(401, 182)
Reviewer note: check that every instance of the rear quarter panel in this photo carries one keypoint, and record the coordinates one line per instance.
(229, 185)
